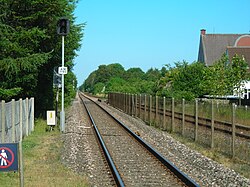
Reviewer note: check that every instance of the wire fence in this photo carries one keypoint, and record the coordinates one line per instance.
(218, 125)
(17, 120)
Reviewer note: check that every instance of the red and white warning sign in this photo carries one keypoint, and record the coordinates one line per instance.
(8, 157)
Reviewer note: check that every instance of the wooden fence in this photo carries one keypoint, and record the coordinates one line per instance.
(214, 125)
(17, 119)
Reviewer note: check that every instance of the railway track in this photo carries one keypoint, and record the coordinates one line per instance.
(132, 161)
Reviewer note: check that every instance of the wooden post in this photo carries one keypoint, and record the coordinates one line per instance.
(13, 120)
(124, 102)
(140, 106)
(156, 110)
(136, 105)
(145, 106)
(212, 124)
(150, 109)
(196, 120)
(117, 97)
(164, 113)
(183, 117)
(233, 130)
(139, 110)
(130, 104)
(3, 121)
(172, 128)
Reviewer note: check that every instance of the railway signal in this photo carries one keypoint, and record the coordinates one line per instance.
(63, 26)
(63, 30)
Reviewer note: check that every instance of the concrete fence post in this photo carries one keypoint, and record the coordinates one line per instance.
(20, 142)
(13, 120)
(3, 121)
(21, 118)
(27, 116)
(32, 113)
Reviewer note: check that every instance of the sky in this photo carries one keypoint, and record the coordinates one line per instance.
(151, 33)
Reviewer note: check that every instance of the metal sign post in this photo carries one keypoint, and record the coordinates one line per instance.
(63, 30)
(62, 114)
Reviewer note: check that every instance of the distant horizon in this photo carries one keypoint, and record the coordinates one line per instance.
(148, 34)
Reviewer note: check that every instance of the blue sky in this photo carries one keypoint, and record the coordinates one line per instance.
(151, 33)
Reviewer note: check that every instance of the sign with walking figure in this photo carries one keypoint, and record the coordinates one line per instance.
(8, 157)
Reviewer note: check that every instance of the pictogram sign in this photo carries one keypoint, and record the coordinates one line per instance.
(8, 157)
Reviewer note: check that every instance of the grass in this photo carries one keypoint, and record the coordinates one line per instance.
(42, 166)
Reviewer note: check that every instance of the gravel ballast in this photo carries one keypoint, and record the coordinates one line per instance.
(81, 151)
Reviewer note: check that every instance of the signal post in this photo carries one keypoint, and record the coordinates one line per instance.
(62, 30)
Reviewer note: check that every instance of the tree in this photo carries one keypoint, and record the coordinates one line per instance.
(224, 76)
(239, 72)
(30, 48)
(183, 81)
(20, 58)
(134, 74)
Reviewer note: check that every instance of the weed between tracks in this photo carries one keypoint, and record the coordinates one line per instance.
(42, 166)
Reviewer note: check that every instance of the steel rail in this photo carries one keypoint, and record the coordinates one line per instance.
(182, 176)
(112, 166)
(201, 122)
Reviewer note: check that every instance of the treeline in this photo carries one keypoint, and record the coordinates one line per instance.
(30, 49)
(114, 78)
(184, 80)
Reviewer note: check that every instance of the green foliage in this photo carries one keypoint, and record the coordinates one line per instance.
(99, 88)
(115, 79)
(70, 87)
(183, 81)
(7, 94)
(225, 76)
(194, 80)
(30, 48)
